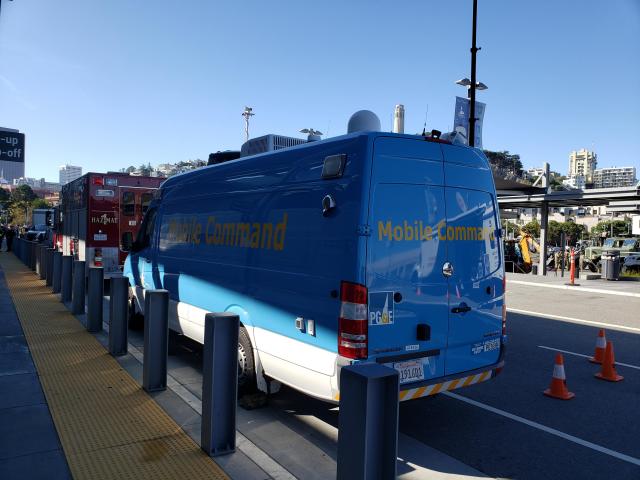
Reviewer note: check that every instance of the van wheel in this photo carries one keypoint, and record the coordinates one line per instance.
(246, 364)
(135, 320)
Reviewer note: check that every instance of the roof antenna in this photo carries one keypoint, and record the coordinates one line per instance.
(247, 114)
(424, 128)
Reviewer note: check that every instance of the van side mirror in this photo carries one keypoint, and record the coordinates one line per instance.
(127, 242)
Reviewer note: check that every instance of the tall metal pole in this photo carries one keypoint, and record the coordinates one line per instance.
(472, 88)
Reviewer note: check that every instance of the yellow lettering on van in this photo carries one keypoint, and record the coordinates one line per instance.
(384, 230)
(267, 234)
(208, 238)
(281, 230)
(441, 230)
(426, 233)
(197, 233)
(255, 235)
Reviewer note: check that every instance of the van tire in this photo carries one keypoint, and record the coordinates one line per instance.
(135, 319)
(246, 364)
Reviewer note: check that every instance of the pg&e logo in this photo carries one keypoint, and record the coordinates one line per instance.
(381, 308)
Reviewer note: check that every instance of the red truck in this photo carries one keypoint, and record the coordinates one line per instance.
(99, 217)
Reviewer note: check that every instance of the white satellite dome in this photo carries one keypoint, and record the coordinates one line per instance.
(364, 121)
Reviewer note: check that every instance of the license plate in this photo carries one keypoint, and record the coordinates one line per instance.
(411, 371)
(100, 237)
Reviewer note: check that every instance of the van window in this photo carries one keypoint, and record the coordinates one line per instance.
(146, 231)
(126, 241)
(145, 201)
(472, 231)
(128, 205)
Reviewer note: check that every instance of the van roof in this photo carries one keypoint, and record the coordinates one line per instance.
(192, 174)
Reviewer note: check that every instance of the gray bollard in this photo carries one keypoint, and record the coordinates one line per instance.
(368, 422)
(57, 272)
(219, 383)
(118, 316)
(66, 278)
(38, 260)
(32, 256)
(95, 299)
(77, 298)
(156, 340)
(42, 249)
(50, 252)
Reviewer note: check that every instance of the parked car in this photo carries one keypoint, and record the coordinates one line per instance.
(625, 246)
(37, 234)
(631, 263)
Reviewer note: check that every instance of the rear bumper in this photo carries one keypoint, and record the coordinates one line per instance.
(433, 386)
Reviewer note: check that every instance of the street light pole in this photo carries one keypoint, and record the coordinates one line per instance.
(472, 87)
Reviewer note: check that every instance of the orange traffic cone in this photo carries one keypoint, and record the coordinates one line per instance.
(608, 371)
(601, 345)
(558, 387)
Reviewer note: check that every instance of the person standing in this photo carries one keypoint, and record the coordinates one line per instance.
(556, 261)
(9, 234)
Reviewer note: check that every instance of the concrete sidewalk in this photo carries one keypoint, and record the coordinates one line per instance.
(621, 287)
(29, 444)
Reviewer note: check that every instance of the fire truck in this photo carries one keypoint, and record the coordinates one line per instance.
(99, 217)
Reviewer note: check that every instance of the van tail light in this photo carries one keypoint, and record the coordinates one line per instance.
(504, 305)
(97, 257)
(352, 325)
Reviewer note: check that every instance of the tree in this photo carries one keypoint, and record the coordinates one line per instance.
(505, 162)
(5, 197)
(532, 228)
(573, 231)
(620, 227)
(40, 203)
(23, 193)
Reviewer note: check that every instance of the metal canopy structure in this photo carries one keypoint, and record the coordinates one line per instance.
(513, 195)
(570, 198)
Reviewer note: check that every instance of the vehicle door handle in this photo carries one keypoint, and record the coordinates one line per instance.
(463, 308)
(147, 260)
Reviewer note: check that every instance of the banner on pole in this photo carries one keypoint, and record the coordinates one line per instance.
(461, 119)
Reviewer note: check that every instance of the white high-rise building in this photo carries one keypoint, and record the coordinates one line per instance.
(69, 173)
(582, 163)
(614, 177)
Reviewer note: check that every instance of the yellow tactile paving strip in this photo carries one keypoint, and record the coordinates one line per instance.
(109, 427)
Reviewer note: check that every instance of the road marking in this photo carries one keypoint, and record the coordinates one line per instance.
(574, 289)
(612, 326)
(585, 356)
(552, 431)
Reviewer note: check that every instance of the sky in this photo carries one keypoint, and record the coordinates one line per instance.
(105, 84)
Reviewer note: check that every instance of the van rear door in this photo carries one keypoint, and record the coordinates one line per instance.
(475, 284)
(408, 306)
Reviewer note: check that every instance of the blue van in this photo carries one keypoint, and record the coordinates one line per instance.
(368, 247)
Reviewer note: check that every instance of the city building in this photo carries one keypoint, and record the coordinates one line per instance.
(37, 184)
(11, 154)
(614, 177)
(582, 163)
(68, 173)
(577, 182)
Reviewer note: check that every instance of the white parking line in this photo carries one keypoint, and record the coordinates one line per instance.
(612, 326)
(574, 289)
(552, 431)
(585, 356)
